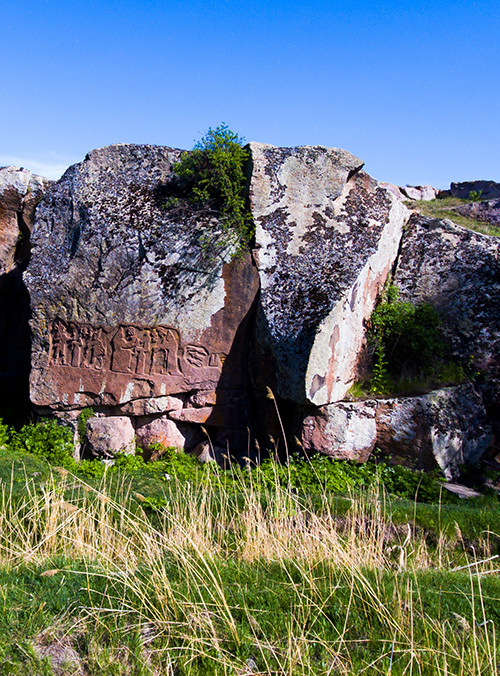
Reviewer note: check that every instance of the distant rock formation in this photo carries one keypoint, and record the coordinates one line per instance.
(141, 310)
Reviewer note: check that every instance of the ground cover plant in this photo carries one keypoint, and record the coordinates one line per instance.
(311, 568)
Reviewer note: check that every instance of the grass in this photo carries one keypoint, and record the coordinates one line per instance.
(446, 208)
(240, 576)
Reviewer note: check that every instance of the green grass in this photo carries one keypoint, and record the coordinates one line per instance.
(299, 570)
(446, 208)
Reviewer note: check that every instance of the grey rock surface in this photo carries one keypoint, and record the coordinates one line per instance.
(419, 192)
(458, 272)
(447, 427)
(344, 431)
(106, 437)
(489, 189)
(487, 211)
(20, 192)
(326, 237)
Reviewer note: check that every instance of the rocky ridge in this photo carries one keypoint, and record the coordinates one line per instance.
(141, 310)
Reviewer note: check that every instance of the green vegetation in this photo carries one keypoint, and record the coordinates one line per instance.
(408, 349)
(237, 573)
(446, 208)
(212, 175)
(170, 567)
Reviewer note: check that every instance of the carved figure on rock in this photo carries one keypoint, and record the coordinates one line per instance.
(165, 345)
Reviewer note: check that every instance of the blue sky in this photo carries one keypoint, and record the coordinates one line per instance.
(410, 87)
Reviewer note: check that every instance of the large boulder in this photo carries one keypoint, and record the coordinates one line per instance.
(487, 211)
(419, 192)
(133, 298)
(458, 272)
(445, 428)
(20, 192)
(344, 431)
(327, 235)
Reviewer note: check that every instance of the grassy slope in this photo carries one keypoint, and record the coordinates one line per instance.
(446, 208)
(240, 579)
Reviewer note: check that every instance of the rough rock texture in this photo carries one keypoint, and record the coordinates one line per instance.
(326, 237)
(133, 301)
(20, 192)
(448, 427)
(489, 189)
(344, 431)
(419, 192)
(106, 437)
(488, 211)
(151, 431)
(445, 428)
(457, 271)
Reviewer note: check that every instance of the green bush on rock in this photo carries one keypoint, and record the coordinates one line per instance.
(213, 176)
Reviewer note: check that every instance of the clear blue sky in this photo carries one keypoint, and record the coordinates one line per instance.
(412, 87)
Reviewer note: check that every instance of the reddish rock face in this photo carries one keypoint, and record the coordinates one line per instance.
(131, 301)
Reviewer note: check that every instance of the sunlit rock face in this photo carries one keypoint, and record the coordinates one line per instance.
(133, 300)
(327, 235)
(458, 272)
(20, 192)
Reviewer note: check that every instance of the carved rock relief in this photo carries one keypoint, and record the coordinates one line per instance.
(153, 353)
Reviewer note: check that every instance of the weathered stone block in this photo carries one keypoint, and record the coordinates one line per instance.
(344, 431)
(326, 237)
(107, 437)
(131, 299)
(458, 272)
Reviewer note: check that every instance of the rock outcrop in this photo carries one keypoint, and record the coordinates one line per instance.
(419, 192)
(489, 190)
(445, 428)
(487, 211)
(141, 309)
(20, 192)
(133, 302)
(327, 235)
(458, 272)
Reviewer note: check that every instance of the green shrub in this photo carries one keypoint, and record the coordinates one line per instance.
(407, 339)
(475, 195)
(48, 440)
(85, 414)
(213, 175)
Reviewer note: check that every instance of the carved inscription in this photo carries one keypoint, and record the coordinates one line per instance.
(130, 350)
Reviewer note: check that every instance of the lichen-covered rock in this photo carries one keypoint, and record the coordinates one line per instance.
(447, 427)
(20, 192)
(132, 299)
(106, 437)
(161, 431)
(419, 192)
(326, 237)
(458, 272)
(487, 211)
(344, 431)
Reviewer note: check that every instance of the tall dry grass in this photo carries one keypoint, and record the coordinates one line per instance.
(190, 613)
